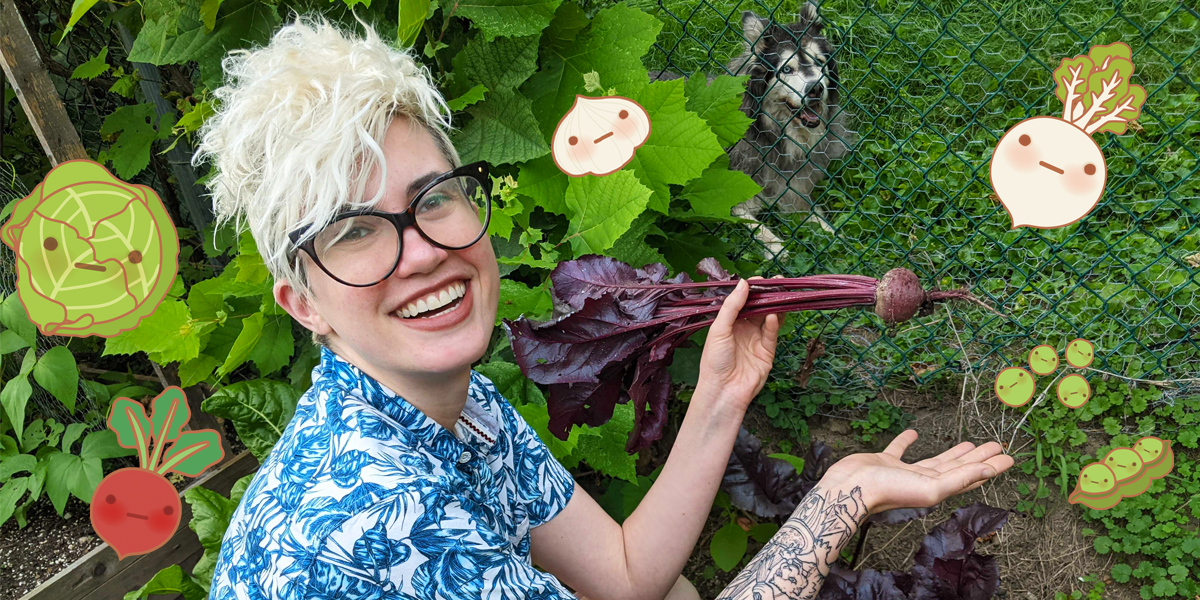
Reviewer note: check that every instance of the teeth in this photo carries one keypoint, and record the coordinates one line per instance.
(434, 301)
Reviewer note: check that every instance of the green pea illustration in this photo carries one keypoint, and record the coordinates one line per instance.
(1124, 462)
(1074, 391)
(1043, 359)
(1080, 353)
(1097, 488)
(1014, 386)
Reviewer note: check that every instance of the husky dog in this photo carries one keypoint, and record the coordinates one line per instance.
(798, 128)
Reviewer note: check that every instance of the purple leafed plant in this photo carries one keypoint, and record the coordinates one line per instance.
(616, 329)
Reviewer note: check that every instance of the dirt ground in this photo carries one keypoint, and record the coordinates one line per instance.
(1037, 556)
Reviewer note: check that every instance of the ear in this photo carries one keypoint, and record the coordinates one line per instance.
(290, 300)
(808, 12)
(752, 27)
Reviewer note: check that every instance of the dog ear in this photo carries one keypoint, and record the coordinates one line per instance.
(752, 27)
(808, 13)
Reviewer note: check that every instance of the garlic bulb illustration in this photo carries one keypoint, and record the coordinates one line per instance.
(598, 136)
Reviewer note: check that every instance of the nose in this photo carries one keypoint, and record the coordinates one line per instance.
(815, 89)
(418, 255)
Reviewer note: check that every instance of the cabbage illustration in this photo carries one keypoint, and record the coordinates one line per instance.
(95, 255)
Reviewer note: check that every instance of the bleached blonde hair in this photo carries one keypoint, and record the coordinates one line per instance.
(299, 127)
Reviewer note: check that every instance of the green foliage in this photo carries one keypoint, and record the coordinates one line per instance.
(94, 67)
(260, 410)
(171, 580)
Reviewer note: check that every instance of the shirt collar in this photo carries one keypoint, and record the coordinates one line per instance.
(476, 425)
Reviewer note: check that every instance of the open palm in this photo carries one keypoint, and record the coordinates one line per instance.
(888, 482)
(738, 353)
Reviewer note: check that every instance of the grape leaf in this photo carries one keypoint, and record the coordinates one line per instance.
(94, 67)
(167, 335)
(601, 209)
(517, 299)
(603, 447)
(612, 45)
(275, 346)
(130, 154)
(500, 64)
(543, 182)
(631, 248)
(468, 98)
(719, 189)
(719, 104)
(502, 131)
(260, 410)
(508, 17)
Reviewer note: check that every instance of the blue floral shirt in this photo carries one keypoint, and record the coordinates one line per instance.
(364, 497)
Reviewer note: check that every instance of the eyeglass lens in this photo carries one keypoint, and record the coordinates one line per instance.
(362, 250)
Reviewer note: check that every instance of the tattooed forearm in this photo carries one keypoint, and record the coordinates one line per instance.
(793, 565)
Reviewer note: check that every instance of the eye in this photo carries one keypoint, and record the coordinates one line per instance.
(111, 499)
(135, 257)
(50, 243)
(1025, 141)
(168, 510)
(786, 70)
(572, 140)
(624, 114)
(1090, 169)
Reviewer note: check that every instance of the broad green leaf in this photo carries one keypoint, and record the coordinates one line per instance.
(193, 118)
(719, 104)
(518, 299)
(78, 9)
(198, 369)
(62, 472)
(252, 329)
(412, 16)
(260, 410)
(471, 96)
(500, 64)
(239, 24)
(612, 45)
(543, 182)
(166, 336)
(11, 341)
(511, 383)
(602, 208)
(796, 462)
(103, 444)
(275, 346)
(131, 152)
(16, 464)
(14, 317)
(508, 17)
(719, 189)
(171, 581)
(127, 419)
(74, 430)
(763, 532)
(539, 420)
(208, 13)
(29, 362)
(34, 435)
(125, 85)
(57, 372)
(681, 145)
(660, 196)
(210, 518)
(728, 546)
(603, 447)
(94, 67)
(503, 130)
(14, 397)
(192, 453)
(631, 248)
(10, 493)
(169, 413)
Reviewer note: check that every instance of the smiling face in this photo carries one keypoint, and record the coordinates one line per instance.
(1080, 353)
(1074, 391)
(1149, 449)
(1097, 478)
(1043, 359)
(1124, 462)
(372, 327)
(1014, 386)
(1048, 173)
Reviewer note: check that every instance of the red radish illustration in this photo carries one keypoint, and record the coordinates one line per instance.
(136, 510)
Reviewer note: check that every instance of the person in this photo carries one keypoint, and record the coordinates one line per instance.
(404, 473)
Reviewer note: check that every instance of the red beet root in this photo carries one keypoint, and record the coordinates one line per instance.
(135, 511)
(898, 296)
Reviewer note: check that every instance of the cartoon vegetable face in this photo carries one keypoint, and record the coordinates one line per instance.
(1149, 449)
(1080, 353)
(598, 136)
(1043, 359)
(1124, 462)
(1014, 386)
(1048, 171)
(1074, 391)
(1097, 478)
(94, 255)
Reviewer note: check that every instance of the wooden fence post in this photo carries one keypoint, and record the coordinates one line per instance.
(27, 76)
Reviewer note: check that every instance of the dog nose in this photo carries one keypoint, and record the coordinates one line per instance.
(816, 89)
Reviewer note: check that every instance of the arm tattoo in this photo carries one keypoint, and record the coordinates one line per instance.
(793, 565)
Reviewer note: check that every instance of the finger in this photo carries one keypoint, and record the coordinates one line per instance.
(979, 454)
(949, 455)
(730, 307)
(901, 443)
(959, 480)
(771, 329)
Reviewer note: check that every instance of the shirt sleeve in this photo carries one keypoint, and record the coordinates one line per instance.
(423, 544)
(544, 485)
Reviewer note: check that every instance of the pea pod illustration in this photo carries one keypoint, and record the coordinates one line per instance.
(1157, 461)
(95, 255)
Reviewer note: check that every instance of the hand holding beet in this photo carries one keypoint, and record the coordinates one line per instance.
(888, 482)
(738, 352)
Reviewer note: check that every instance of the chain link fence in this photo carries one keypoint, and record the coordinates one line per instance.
(930, 87)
